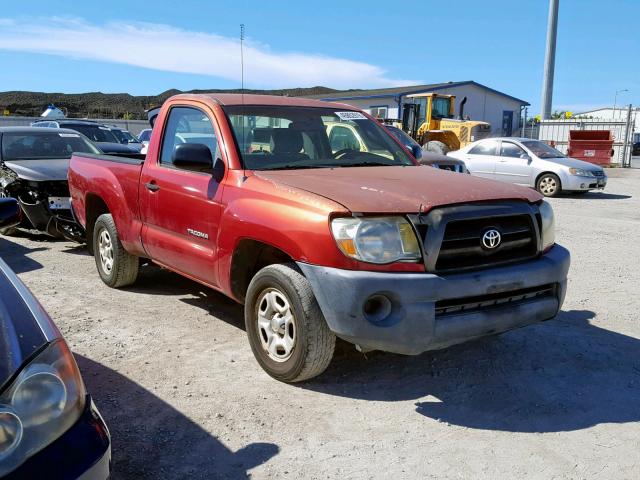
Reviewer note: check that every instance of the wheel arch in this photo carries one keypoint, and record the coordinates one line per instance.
(248, 258)
(94, 207)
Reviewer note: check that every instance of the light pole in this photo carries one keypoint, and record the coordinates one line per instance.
(615, 100)
(549, 60)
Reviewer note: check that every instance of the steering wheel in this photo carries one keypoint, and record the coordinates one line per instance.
(343, 152)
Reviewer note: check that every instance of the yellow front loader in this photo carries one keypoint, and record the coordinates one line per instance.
(430, 119)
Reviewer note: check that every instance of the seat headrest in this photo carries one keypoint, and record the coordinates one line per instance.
(287, 140)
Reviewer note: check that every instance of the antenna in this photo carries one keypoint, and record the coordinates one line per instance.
(242, 60)
(244, 138)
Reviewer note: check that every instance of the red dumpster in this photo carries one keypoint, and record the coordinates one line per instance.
(595, 146)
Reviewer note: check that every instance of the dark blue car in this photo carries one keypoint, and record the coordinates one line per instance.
(49, 426)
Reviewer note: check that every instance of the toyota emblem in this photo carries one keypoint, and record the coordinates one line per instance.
(491, 239)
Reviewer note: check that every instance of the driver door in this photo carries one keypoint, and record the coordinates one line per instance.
(180, 208)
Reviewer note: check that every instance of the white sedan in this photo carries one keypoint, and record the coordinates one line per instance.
(531, 163)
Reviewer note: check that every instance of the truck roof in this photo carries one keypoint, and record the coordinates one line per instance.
(252, 99)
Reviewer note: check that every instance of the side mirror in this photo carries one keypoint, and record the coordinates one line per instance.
(218, 170)
(195, 157)
(526, 157)
(416, 150)
(10, 213)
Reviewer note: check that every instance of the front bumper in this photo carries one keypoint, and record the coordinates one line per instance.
(411, 325)
(577, 183)
(82, 452)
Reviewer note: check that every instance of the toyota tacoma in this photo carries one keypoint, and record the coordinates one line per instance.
(319, 242)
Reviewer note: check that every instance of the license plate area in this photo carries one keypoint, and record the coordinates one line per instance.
(59, 203)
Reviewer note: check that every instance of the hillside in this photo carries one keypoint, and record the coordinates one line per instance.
(114, 105)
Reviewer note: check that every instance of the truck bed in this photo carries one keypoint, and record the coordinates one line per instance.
(115, 180)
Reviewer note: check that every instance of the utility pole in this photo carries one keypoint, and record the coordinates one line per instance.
(549, 60)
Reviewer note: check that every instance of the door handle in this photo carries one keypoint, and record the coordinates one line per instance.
(152, 185)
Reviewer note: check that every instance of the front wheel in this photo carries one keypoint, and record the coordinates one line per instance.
(549, 185)
(116, 267)
(287, 332)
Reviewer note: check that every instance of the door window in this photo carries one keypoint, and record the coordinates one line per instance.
(511, 150)
(187, 125)
(484, 148)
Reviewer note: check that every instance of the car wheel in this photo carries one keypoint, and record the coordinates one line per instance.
(287, 332)
(116, 266)
(437, 147)
(549, 185)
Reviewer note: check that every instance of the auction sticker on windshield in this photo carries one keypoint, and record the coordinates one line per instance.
(350, 116)
(69, 135)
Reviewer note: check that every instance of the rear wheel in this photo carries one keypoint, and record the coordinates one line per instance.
(436, 146)
(549, 185)
(287, 332)
(116, 267)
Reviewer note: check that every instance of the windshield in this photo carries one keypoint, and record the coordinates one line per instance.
(95, 133)
(281, 137)
(542, 150)
(440, 107)
(36, 146)
(145, 135)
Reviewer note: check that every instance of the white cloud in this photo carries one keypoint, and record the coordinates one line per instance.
(163, 47)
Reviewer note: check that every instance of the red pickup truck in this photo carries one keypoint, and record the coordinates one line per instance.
(316, 235)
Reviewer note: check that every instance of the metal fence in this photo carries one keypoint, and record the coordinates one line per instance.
(557, 132)
(134, 126)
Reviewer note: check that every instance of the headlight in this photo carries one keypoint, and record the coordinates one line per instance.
(548, 233)
(580, 172)
(42, 403)
(376, 239)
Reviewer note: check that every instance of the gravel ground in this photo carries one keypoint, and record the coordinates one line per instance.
(172, 373)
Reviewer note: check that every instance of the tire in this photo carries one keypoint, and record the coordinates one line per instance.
(436, 146)
(302, 346)
(549, 185)
(116, 267)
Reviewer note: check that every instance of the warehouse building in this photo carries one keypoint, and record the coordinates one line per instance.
(502, 111)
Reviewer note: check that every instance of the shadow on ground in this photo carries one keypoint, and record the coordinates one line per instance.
(154, 280)
(562, 375)
(596, 196)
(566, 374)
(16, 255)
(152, 440)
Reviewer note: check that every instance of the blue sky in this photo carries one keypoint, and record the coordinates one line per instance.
(122, 46)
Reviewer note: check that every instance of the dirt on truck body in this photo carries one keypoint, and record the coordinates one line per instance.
(320, 241)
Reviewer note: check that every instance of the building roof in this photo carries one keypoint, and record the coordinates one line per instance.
(354, 94)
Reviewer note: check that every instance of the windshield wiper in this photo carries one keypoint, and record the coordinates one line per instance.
(294, 166)
(366, 164)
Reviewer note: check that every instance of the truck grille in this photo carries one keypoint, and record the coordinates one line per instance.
(494, 300)
(462, 246)
(454, 238)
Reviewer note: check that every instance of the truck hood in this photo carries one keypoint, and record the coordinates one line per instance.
(40, 170)
(397, 189)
